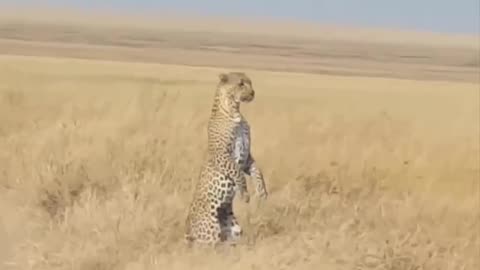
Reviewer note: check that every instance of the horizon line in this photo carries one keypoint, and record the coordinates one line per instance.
(191, 16)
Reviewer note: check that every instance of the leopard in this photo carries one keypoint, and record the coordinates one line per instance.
(210, 220)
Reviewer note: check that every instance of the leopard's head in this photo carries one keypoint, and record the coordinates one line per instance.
(235, 87)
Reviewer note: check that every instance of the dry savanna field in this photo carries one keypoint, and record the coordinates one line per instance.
(369, 147)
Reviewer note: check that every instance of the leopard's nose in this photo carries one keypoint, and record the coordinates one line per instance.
(253, 93)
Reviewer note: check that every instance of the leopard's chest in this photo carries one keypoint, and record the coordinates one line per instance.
(241, 143)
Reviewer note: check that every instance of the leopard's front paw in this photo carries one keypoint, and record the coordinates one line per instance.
(262, 194)
(245, 197)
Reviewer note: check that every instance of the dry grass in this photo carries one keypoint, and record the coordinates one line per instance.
(99, 159)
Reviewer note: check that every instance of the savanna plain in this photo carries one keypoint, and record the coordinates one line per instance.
(366, 169)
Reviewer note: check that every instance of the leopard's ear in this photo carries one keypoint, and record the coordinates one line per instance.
(223, 77)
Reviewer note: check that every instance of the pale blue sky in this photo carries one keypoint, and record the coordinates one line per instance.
(454, 16)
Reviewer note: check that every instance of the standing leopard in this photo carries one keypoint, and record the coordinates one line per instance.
(210, 218)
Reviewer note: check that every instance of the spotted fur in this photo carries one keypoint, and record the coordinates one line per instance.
(210, 218)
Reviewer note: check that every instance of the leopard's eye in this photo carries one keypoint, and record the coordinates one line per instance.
(241, 83)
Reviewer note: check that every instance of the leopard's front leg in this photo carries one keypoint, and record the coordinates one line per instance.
(257, 177)
(241, 184)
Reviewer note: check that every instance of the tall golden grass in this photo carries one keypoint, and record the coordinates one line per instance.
(98, 162)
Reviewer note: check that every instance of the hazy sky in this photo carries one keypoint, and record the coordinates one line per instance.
(457, 16)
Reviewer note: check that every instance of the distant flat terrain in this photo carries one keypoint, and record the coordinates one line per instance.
(334, 52)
